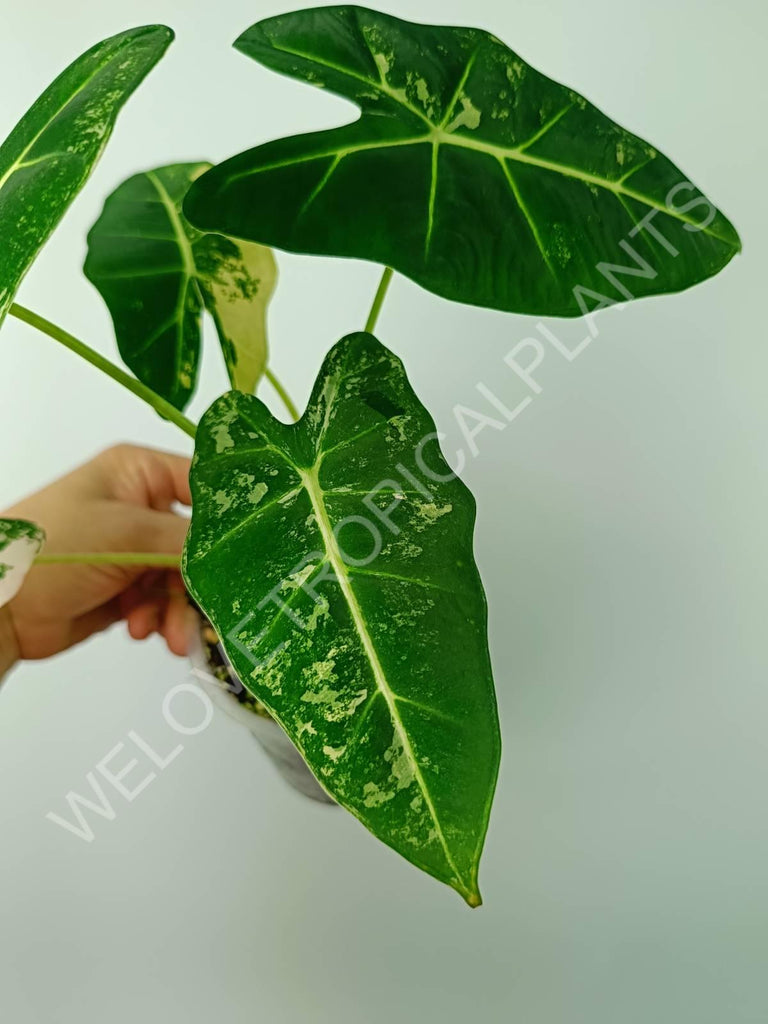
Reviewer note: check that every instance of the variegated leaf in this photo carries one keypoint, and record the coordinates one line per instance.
(156, 273)
(468, 171)
(334, 558)
(20, 544)
(50, 153)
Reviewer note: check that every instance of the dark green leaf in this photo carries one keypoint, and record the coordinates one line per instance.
(469, 171)
(155, 272)
(380, 673)
(48, 156)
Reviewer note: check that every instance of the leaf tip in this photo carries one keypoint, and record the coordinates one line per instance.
(469, 891)
(160, 32)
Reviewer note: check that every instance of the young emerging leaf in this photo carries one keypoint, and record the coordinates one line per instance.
(48, 156)
(20, 544)
(334, 558)
(156, 272)
(469, 171)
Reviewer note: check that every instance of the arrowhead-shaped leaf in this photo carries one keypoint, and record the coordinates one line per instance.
(48, 156)
(20, 544)
(156, 272)
(468, 171)
(334, 558)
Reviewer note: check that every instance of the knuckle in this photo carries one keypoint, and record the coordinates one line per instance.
(120, 450)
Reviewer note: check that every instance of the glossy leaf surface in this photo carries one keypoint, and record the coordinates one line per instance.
(156, 273)
(338, 571)
(468, 171)
(48, 156)
(20, 544)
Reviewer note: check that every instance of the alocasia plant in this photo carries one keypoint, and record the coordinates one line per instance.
(334, 555)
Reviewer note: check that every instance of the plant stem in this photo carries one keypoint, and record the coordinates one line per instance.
(111, 558)
(159, 404)
(378, 301)
(284, 396)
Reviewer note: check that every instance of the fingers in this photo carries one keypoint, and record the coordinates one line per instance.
(157, 603)
(144, 530)
(179, 621)
(167, 479)
(94, 622)
(144, 476)
(144, 620)
(139, 603)
(168, 533)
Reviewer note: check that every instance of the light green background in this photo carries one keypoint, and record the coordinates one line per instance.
(622, 539)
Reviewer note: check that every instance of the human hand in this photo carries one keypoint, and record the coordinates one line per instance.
(120, 501)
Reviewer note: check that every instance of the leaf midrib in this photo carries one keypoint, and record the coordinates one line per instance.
(188, 268)
(437, 138)
(15, 165)
(312, 486)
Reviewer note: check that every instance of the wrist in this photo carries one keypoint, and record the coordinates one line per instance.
(9, 645)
